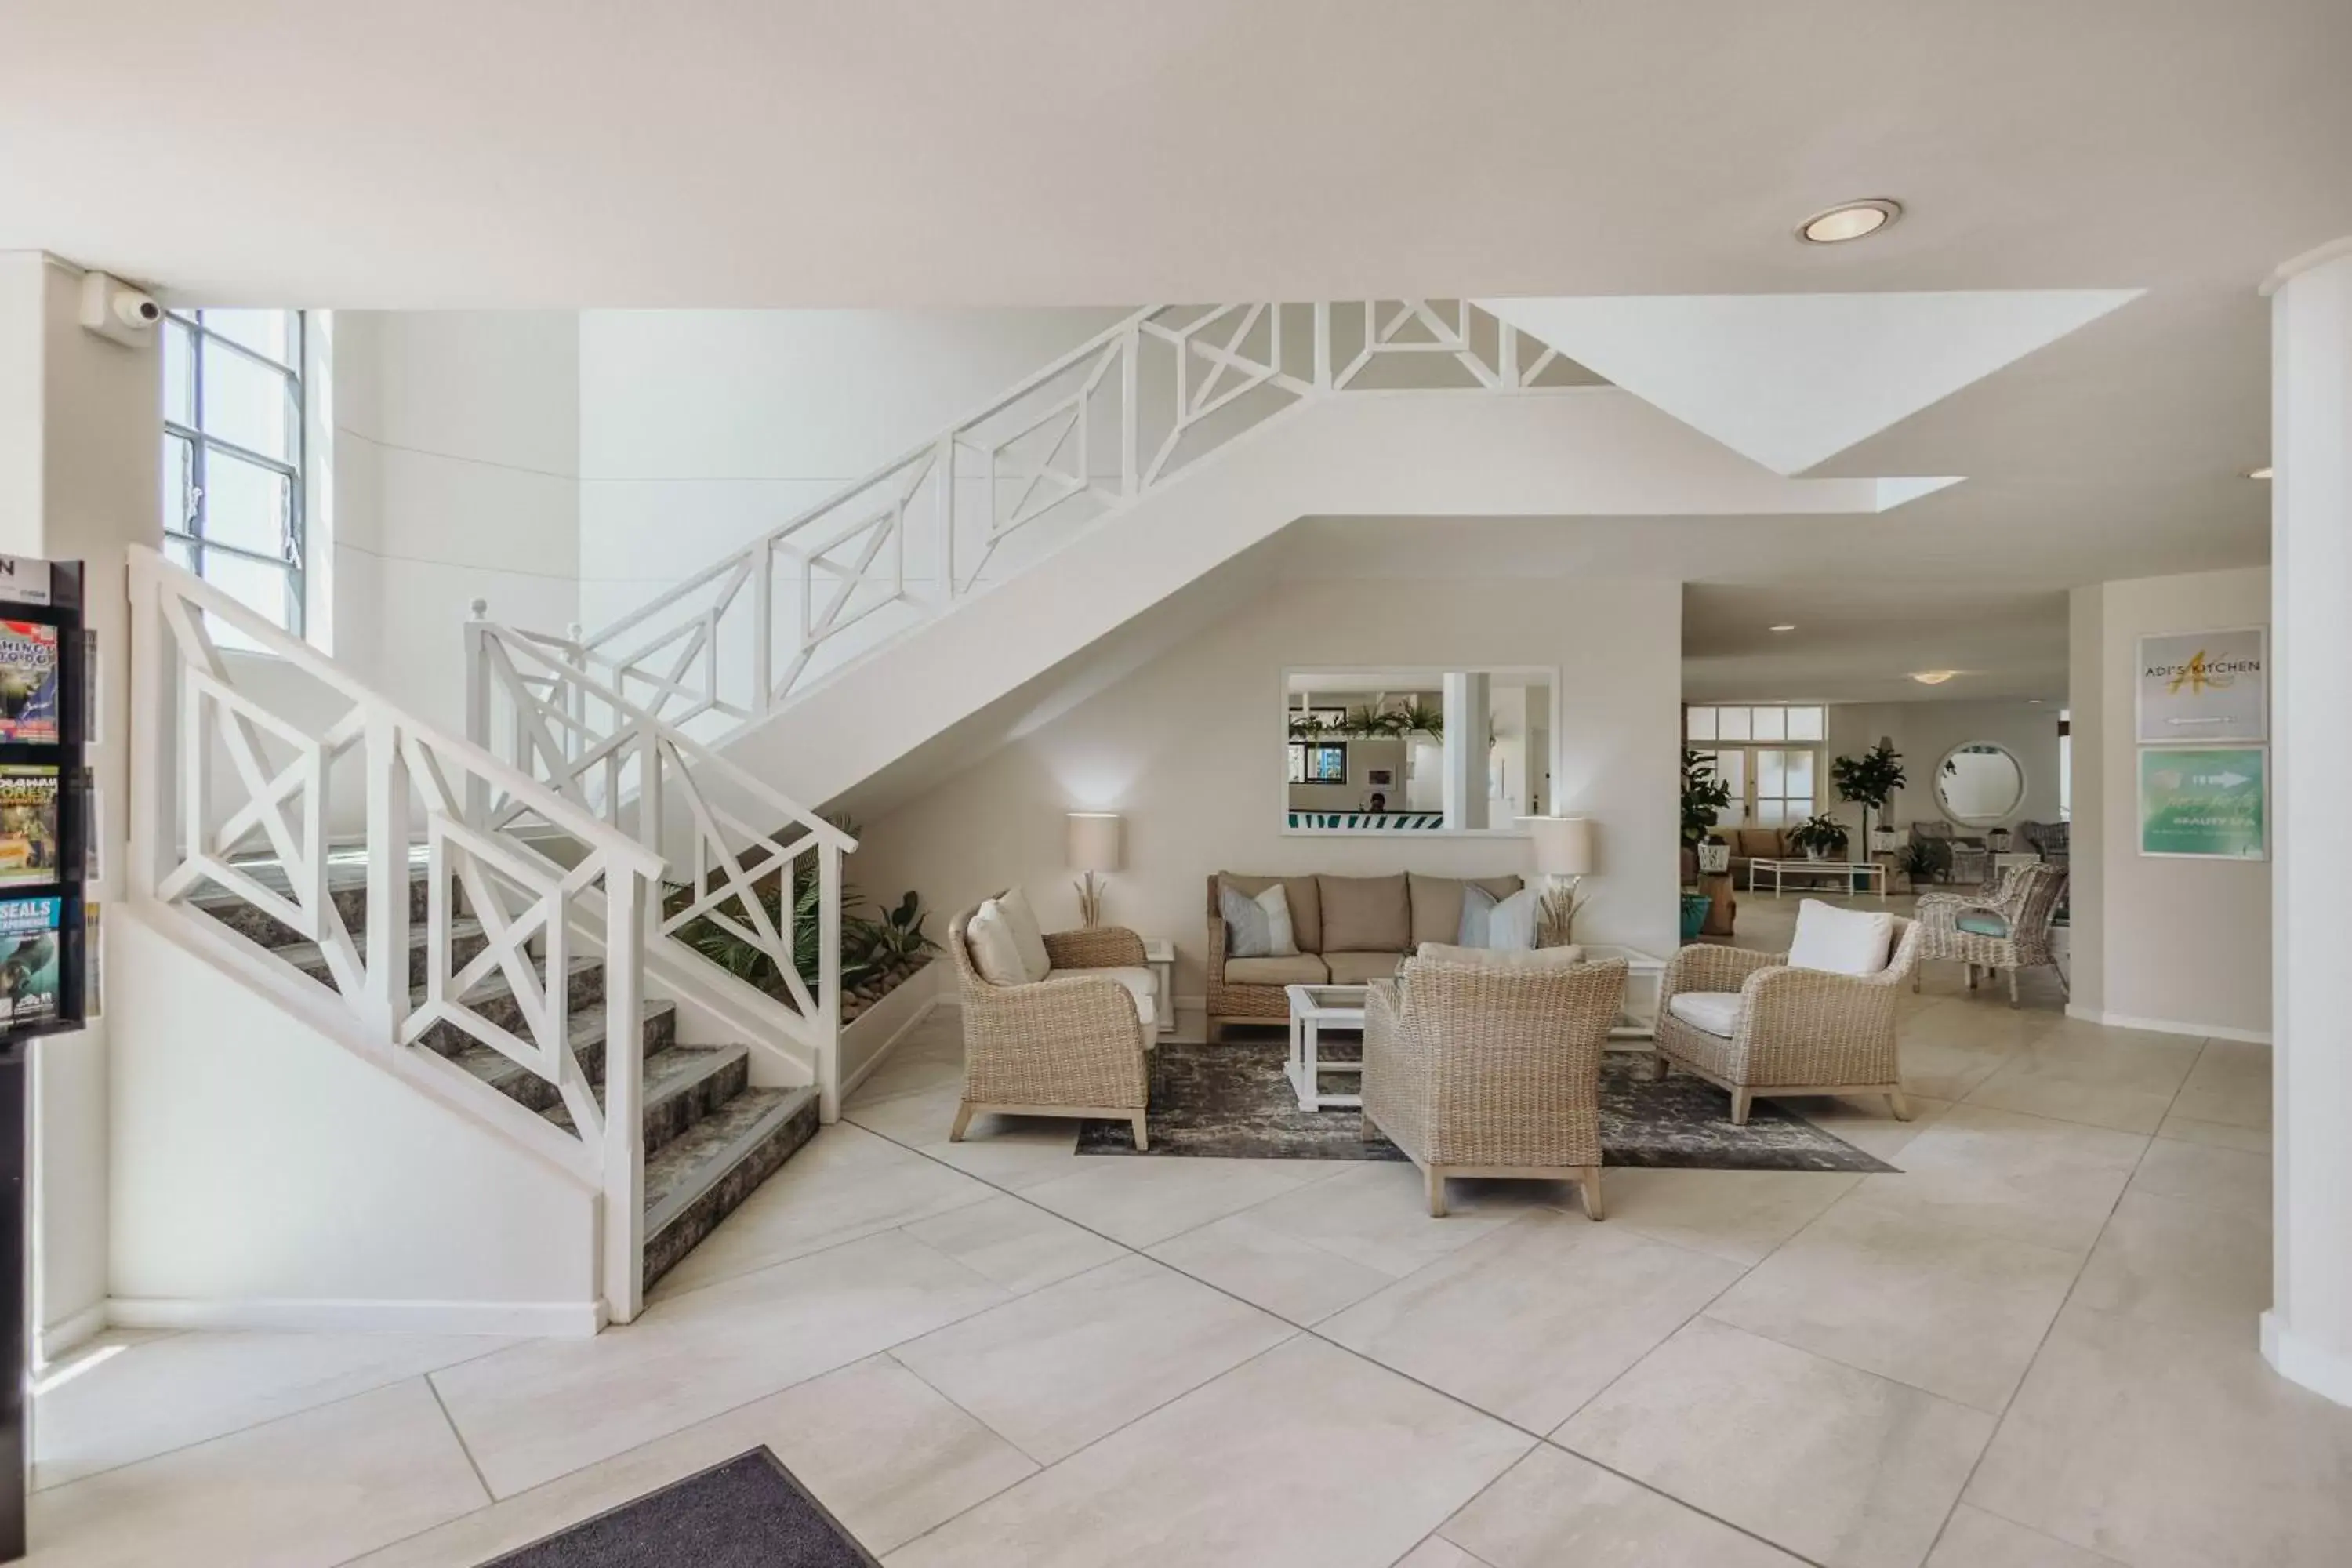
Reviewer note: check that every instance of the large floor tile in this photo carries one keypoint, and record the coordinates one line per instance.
(1013, 1153)
(1837, 1465)
(1553, 1509)
(2173, 1262)
(913, 1120)
(847, 1182)
(885, 1453)
(1057, 1369)
(1950, 1309)
(2228, 1181)
(1306, 1457)
(1866, 1123)
(923, 1061)
(2215, 1134)
(2231, 1084)
(1737, 1216)
(1439, 1553)
(2024, 1176)
(1376, 1214)
(533, 1412)
(2167, 1449)
(1016, 1244)
(1142, 1199)
(1949, 1069)
(312, 1490)
(1975, 1539)
(1533, 1320)
(1270, 1267)
(2123, 1078)
(131, 1400)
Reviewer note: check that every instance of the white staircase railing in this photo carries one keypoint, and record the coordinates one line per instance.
(735, 851)
(1114, 419)
(237, 760)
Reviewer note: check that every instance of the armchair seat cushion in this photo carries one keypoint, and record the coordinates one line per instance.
(1299, 969)
(1981, 922)
(1359, 968)
(1141, 982)
(1709, 1012)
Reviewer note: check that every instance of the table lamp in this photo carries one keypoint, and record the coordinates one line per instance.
(1094, 851)
(1563, 856)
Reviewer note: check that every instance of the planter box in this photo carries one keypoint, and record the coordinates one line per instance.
(867, 1039)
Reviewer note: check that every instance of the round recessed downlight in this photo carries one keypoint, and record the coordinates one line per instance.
(1784, 628)
(1851, 220)
(1933, 677)
(2262, 473)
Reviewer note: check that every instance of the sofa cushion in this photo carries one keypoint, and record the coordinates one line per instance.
(995, 950)
(1709, 1012)
(1511, 924)
(1437, 903)
(1980, 922)
(1362, 968)
(1494, 958)
(1026, 932)
(1141, 983)
(1300, 969)
(1365, 914)
(1841, 942)
(1758, 843)
(1305, 904)
(1256, 926)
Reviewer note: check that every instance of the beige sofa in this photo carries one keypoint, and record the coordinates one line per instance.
(1350, 931)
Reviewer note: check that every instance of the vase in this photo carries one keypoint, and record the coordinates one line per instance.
(1694, 907)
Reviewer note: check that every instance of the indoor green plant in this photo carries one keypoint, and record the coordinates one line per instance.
(1705, 797)
(1819, 837)
(1870, 779)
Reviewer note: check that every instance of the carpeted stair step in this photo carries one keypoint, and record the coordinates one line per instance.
(585, 1029)
(699, 1178)
(679, 1086)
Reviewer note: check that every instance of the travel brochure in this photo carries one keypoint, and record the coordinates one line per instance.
(28, 826)
(29, 682)
(29, 960)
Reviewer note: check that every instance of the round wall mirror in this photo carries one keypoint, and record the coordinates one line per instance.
(1979, 784)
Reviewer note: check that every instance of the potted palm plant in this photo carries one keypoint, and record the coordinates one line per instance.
(1819, 837)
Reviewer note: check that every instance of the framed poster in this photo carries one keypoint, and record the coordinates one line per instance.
(2200, 687)
(2210, 803)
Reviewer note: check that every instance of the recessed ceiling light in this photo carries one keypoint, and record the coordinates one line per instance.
(1784, 628)
(1933, 677)
(1849, 220)
(2262, 473)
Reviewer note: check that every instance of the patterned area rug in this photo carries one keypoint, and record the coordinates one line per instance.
(1231, 1100)
(745, 1512)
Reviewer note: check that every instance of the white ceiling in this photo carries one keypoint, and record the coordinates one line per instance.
(798, 152)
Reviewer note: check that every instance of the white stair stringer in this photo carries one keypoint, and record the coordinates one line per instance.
(1587, 451)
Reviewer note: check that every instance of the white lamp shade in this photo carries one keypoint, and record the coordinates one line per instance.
(1094, 841)
(1563, 844)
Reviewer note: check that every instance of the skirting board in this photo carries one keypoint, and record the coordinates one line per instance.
(535, 1320)
(2299, 1361)
(58, 1338)
(923, 1008)
(2166, 1025)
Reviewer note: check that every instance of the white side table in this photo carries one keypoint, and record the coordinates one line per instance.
(1647, 971)
(1313, 1009)
(1161, 954)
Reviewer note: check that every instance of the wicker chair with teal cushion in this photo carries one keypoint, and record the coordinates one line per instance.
(2008, 931)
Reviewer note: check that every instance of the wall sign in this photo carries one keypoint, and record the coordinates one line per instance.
(2199, 688)
(2209, 803)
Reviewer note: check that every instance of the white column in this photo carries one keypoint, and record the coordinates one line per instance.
(2307, 1332)
(1467, 717)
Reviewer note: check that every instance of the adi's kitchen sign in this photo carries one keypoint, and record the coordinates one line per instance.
(2198, 687)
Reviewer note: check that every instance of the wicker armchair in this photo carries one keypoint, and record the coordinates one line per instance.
(1070, 1044)
(2023, 910)
(1796, 1031)
(1491, 1072)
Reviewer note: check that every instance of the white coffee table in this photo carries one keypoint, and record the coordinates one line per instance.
(1846, 871)
(1313, 1009)
(1161, 954)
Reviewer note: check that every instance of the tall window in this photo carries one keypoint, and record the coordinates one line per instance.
(233, 455)
(1770, 755)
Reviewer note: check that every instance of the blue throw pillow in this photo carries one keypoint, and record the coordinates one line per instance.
(1477, 917)
(1979, 924)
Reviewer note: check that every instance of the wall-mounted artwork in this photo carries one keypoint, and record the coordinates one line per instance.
(2199, 688)
(1382, 778)
(2206, 805)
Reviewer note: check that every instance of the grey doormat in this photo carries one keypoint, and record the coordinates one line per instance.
(745, 1512)
(1230, 1101)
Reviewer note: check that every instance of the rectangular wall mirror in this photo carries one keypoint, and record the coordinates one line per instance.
(1417, 750)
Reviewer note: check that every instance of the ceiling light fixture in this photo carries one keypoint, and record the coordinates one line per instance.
(2262, 473)
(1849, 220)
(1784, 628)
(1933, 677)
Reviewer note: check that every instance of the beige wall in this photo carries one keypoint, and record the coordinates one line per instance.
(1189, 748)
(1925, 732)
(2182, 944)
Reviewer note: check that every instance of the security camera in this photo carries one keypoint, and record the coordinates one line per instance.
(118, 312)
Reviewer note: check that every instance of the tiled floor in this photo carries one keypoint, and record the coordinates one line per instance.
(2034, 1346)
